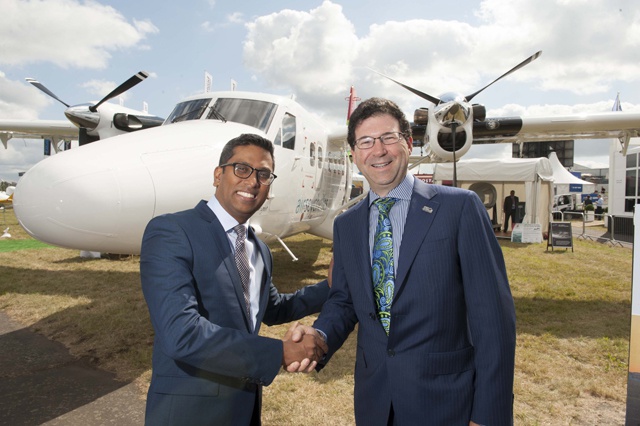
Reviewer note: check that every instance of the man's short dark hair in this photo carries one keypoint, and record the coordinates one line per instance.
(244, 140)
(376, 106)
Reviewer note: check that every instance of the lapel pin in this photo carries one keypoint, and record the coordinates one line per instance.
(427, 209)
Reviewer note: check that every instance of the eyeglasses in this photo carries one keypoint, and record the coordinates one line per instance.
(390, 138)
(243, 171)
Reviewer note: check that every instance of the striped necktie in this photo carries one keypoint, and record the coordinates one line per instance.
(242, 263)
(382, 262)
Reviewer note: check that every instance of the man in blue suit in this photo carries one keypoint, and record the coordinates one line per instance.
(206, 304)
(427, 287)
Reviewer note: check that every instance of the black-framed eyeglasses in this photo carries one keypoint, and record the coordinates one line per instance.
(389, 138)
(243, 171)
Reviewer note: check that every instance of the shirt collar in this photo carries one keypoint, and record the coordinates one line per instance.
(226, 220)
(402, 191)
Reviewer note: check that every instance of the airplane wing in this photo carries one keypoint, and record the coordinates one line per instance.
(37, 129)
(605, 125)
(601, 125)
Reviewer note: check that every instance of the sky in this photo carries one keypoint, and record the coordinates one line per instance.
(316, 50)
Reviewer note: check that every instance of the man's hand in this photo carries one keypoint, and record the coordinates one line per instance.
(303, 347)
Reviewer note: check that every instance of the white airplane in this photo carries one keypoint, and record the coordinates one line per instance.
(100, 197)
(86, 123)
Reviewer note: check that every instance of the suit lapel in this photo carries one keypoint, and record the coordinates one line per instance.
(263, 251)
(223, 247)
(422, 211)
(359, 225)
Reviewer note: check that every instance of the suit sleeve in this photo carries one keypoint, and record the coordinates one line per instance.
(181, 331)
(293, 306)
(491, 315)
(338, 318)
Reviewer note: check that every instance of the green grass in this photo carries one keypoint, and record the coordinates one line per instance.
(15, 245)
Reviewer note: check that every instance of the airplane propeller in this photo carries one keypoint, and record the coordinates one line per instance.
(86, 116)
(451, 118)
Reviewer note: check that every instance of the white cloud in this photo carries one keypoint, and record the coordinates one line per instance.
(310, 51)
(65, 32)
(19, 100)
(236, 18)
(588, 46)
(101, 88)
(207, 26)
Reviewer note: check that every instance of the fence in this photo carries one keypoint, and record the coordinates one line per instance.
(619, 228)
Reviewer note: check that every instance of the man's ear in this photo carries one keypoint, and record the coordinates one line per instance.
(410, 143)
(216, 176)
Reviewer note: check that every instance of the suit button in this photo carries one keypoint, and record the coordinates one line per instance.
(373, 316)
(391, 352)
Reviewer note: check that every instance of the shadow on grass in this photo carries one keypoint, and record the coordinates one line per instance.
(573, 318)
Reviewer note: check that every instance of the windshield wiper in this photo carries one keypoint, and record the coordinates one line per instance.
(182, 116)
(216, 114)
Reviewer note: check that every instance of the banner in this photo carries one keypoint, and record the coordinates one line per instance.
(208, 82)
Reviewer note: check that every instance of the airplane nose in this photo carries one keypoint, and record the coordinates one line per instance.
(68, 201)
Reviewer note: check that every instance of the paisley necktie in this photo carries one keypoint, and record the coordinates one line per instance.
(382, 262)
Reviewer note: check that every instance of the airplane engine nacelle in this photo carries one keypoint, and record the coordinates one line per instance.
(439, 138)
(441, 144)
(132, 122)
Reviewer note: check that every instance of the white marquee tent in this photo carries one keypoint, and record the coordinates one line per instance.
(563, 179)
(530, 178)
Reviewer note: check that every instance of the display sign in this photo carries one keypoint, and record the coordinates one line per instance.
(560, 235)
(526, 233)
(426, 178)
(575, 187)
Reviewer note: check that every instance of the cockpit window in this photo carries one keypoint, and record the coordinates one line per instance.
(188, 110)
(251, 112)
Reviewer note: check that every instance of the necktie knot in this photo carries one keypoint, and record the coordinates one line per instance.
(385, 204)
(241, 232)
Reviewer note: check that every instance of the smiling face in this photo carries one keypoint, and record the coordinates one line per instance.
(241, 198)
(384, 166)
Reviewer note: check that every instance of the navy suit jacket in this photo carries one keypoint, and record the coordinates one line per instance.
(208, 362)
(449, 356)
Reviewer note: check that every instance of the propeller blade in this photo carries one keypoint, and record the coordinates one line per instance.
(516, 68)
(423, 95)
(41, 86)
(121, 89)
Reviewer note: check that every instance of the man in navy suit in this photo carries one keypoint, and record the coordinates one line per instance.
(510, 208)
(209, 363)
(436, 345)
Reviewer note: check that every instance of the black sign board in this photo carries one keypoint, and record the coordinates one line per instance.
(560, 235)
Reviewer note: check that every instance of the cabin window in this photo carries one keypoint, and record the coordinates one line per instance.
(312, 154)
(320, 157)
(288, 131)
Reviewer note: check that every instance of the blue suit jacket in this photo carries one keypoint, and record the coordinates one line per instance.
(208, 362)
(449, 356)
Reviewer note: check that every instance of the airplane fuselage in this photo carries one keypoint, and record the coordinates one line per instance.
(100, 196)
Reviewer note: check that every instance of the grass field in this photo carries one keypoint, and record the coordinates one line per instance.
(573, 321)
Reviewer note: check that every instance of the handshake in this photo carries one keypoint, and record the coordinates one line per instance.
(303, 347)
